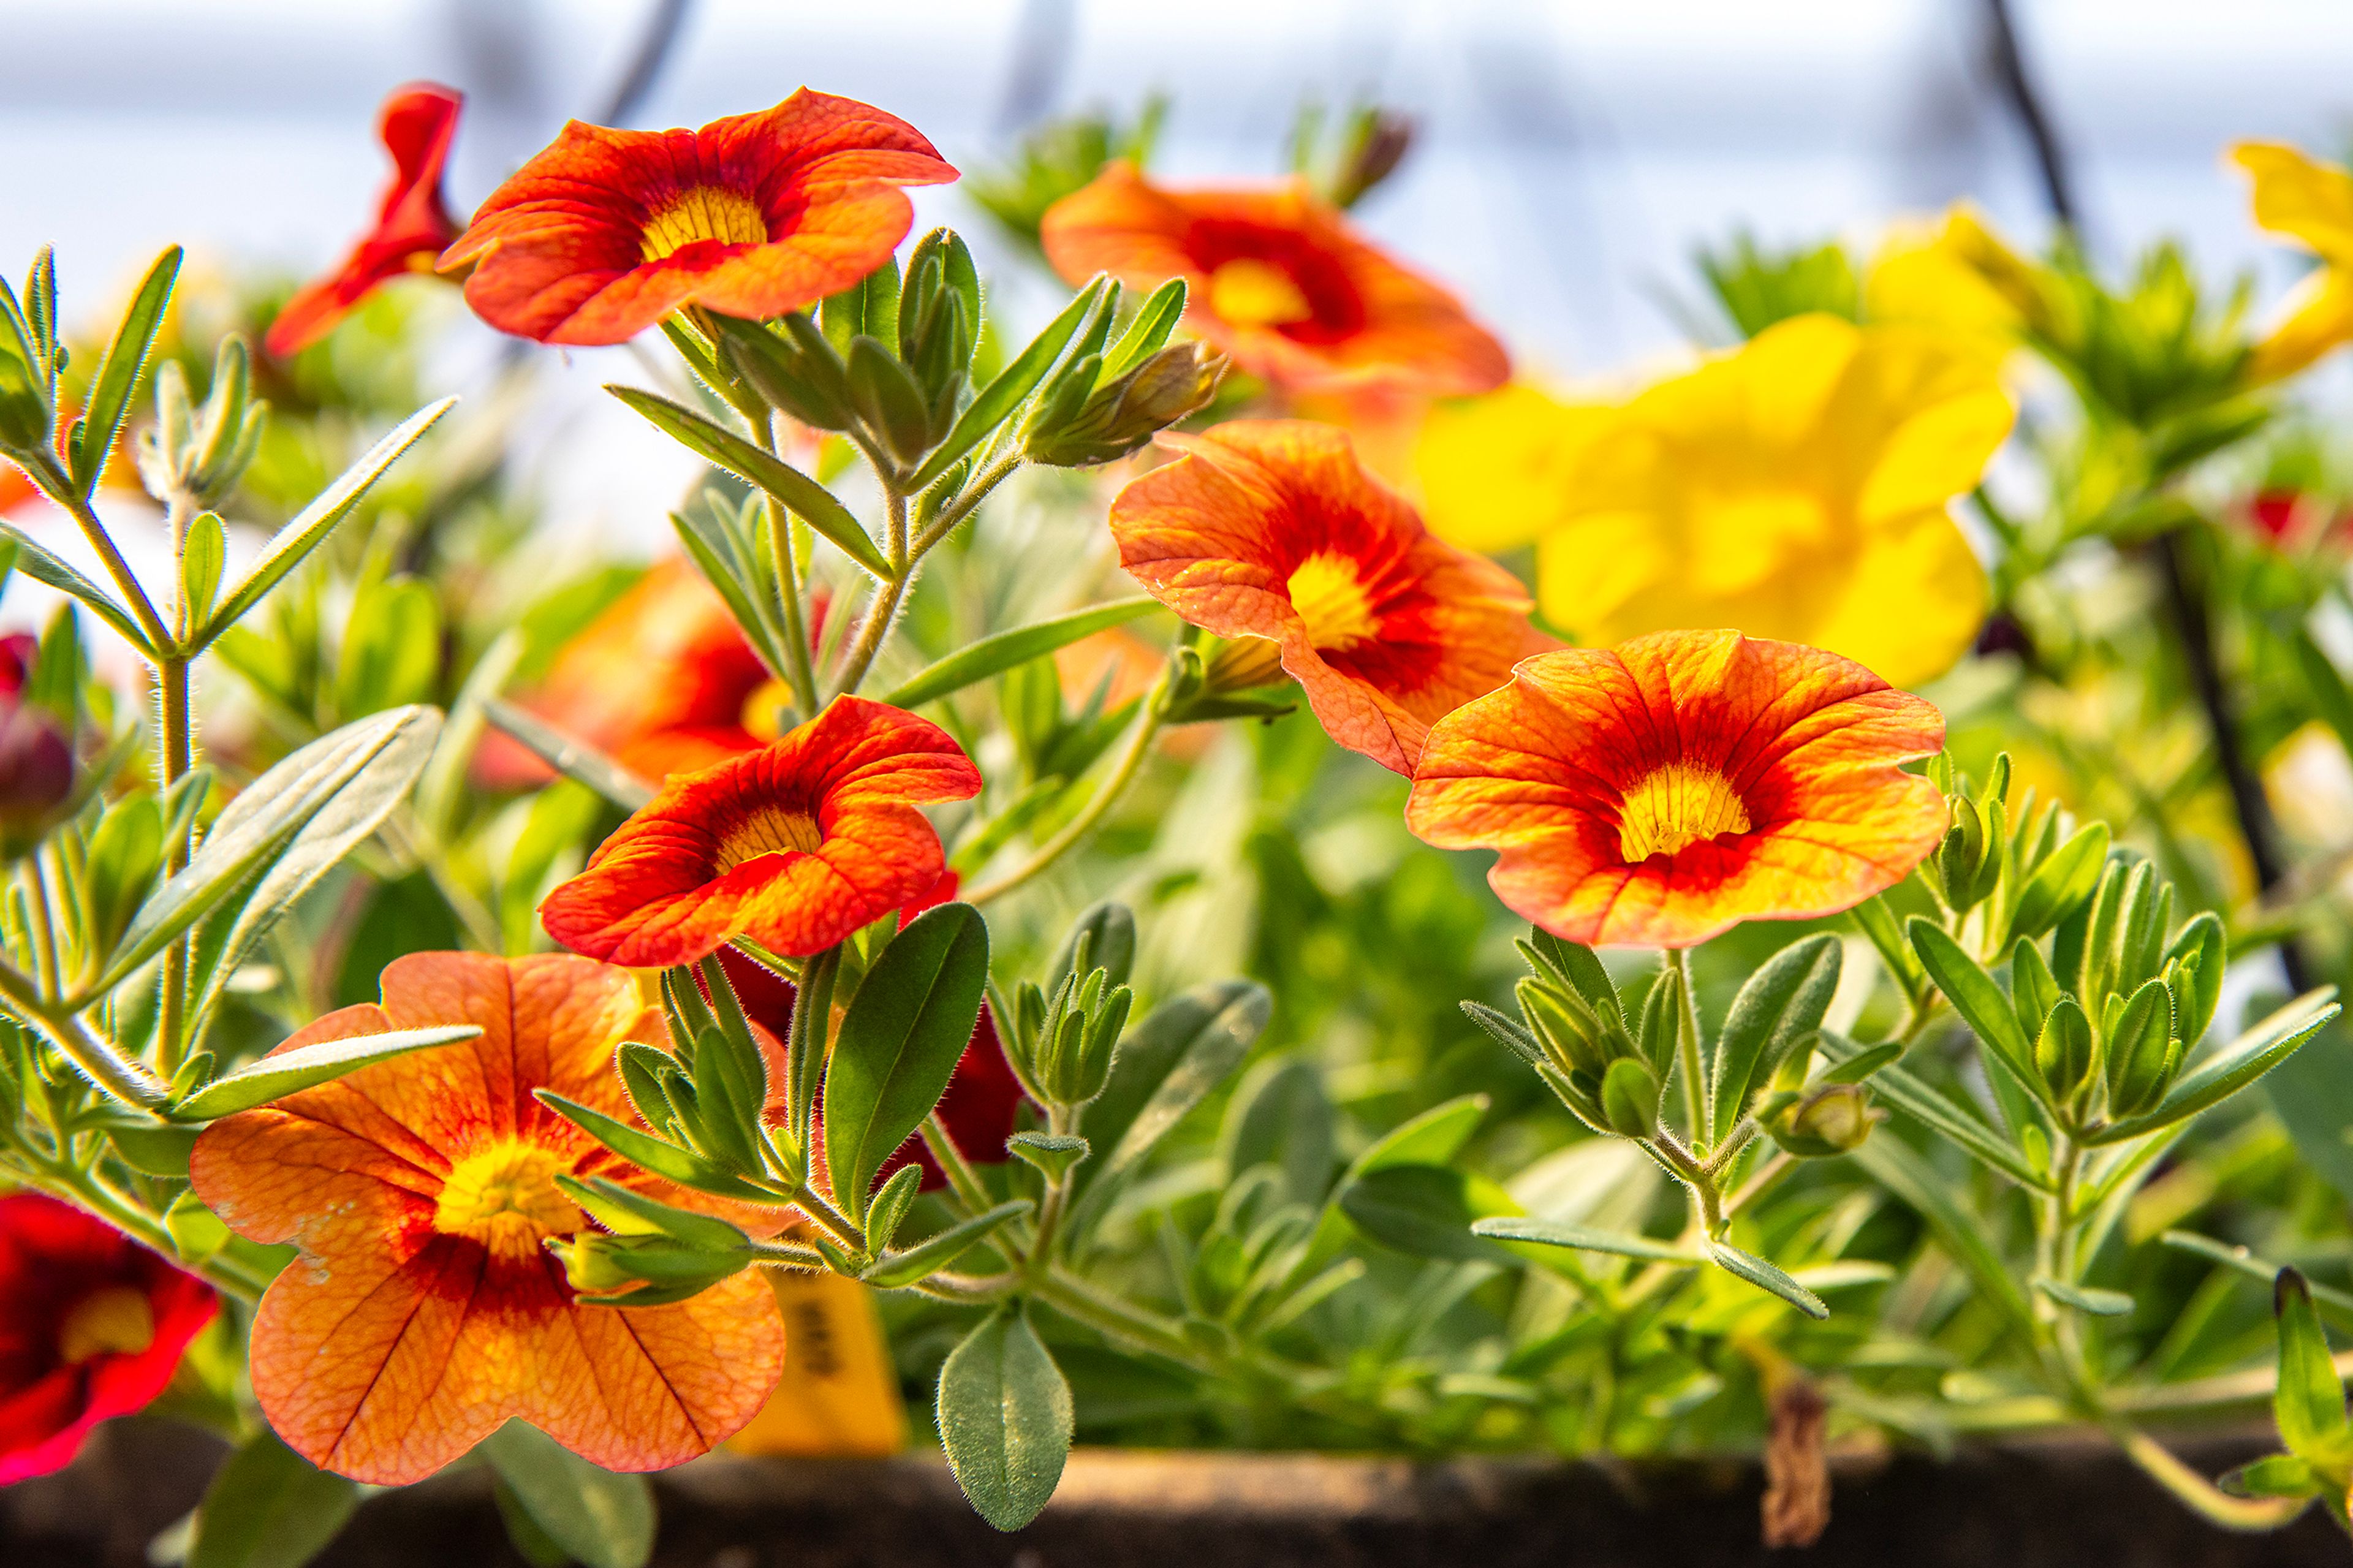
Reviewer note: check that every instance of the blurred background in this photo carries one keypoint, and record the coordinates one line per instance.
(1570, 155)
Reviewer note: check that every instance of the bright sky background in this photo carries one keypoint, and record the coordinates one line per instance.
(1573, 152)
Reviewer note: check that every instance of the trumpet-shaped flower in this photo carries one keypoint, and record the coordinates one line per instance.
(1661, 792)
(2310, 201)
(1280, 281)
(425, 1309)
(1496, 472)
(417, 125)
(1271, 528)
(1796, 488)
(91, 1326)
(604, 232)
(1960, 278)
(796, 845)
(661, 681)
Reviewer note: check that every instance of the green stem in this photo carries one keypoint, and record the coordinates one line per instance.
(2195, 1490)
(972, 494)
(963, 1180)
(123, 1078)
(1687, 1048)
(143, 610)
(1139, 744)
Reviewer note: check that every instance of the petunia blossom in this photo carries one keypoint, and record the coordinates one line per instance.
(1662, 791)
(1271, 528)
(93, 1325)
(1279, 281)
(424, 1310)
(2309, 200)
(604, 232)
(796, 846)
(417, 125)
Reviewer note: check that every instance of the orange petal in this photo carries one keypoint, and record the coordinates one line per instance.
(796, 845)
(1273, 529)
(1814, 814)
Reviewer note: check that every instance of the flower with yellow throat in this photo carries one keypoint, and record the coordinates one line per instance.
(2313, 201)
(1796, 489)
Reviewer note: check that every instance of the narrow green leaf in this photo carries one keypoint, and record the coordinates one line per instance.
(1003, 394)
(268, 1507)
(1005, 1418)
(933, 1254)
(2083, 1299)
(311, 525)
(2274, 1475)
(2235, 1065)
(1002, 651)
(1780, 1006)
(681, 1165)
(1876, 920)
(1894, 1165)
(38, 564)
(1552, 1233)
(2061, 883)
(1428, 1211)
(1899, 1089)
(2309, 1401)
(790, 489)
(1977, 997)
(910, 1022)
(282, 1073)
(1147, 333)
(603, 1519)
(1433, 1138)
(117, 373)
(575, 760)
(1167, 1064)
(1766, 1277)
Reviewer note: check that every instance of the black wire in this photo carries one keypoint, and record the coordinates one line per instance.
(662, 28)
(2009, 64)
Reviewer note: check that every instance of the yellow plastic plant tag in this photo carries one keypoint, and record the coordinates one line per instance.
(838, 1396)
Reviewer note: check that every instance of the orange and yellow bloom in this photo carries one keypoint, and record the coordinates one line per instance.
(1281, 282)
(796, 846)
(604, 232)
(1661, 792)
(1796, 488)
(417, 125)
(425, 1309)
(2307, 200)
(1271, 529)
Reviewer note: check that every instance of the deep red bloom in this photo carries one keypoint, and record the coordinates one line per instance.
(416, 124)
(795, 846)
(605, 232)
(91, 1326)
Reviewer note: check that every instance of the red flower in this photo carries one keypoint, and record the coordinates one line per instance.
(605, 232)
(91, 1326)
(417, 125)
(1279, 281)
(1271, 528)
(796, 846)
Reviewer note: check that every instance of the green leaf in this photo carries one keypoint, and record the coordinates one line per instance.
(2061, 883)
(1766, 1277)
(42, 567)
(1167, 1065)
(1005, 1418)
(282, 1073)
(281, 833)
(1896, 1166)
(603, 1519)
(787, 486)
(2274, 1475)
(1584, 1238)
(2233, 1067)
(746, 585)
(2309, 1402)
(117, 373)
(1147, 333)
(1002, 396)
(201, 566)
(910, 1022)
(268, 1507)
(1876, 920)
(997, 654)
(1977, 997)
(683, 1166)
(154, 1150)
(311, 525)
(1433, 1138)
(2083, 1299)
(575, 760)
(1963, 1126)
(1780, 1007)
(1428, 1211)
(934, 1253)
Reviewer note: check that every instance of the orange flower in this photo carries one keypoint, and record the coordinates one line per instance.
(663, 681)
(1271, 529)
(796, 846)
(1280, 281)
(417, 125)
(425, 1309)
(1661, 792)
(605, 232)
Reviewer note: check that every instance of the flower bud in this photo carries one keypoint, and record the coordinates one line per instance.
(1834, 1120)
(2142, 1055)
(37, 777)
(1072, 430)
(24, 405)
(1629, 1097)
(2064, 1050)
(598, 1264)
(1564, 1026)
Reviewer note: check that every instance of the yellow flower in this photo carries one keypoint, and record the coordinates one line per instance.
(1794, 489)
(1958, 276)
(2311, 200)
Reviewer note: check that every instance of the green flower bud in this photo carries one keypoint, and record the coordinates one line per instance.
(1834, 1120)
(1074, 427)
(2064, 1049)
(1629, 1097)
(2142, 1054)
(1564, 1026)
(25, 414)
(598, 1264)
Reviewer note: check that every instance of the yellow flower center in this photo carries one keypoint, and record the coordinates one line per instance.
(703, 211)
(506, 1197)
(1677, 804)
(1248, 292)
(1749, 536)
(116, 1320)
(768, 833)
(1331, 598)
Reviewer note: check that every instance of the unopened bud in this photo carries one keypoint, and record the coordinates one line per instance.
(597, 1264)
(1115, 419)
(1629, 1097)
(37, 777)
(1834, 1120)
(2063, 1050)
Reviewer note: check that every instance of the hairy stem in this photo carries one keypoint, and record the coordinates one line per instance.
(1131, 761)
